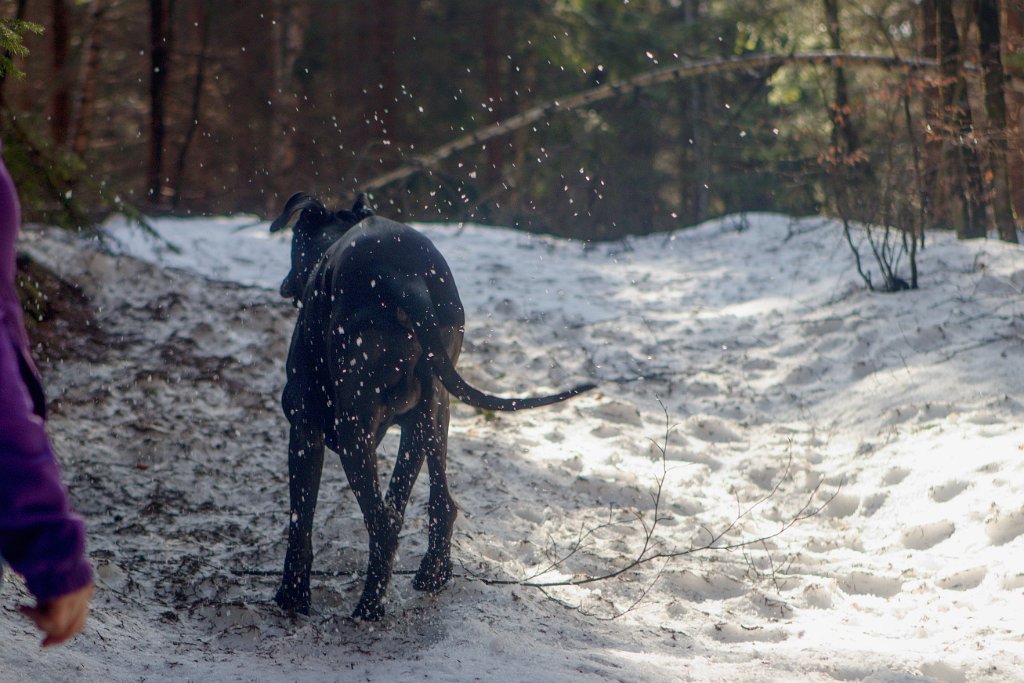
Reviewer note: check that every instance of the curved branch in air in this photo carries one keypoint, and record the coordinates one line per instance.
(634, 83)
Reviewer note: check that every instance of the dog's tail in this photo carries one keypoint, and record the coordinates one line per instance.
(414, 298)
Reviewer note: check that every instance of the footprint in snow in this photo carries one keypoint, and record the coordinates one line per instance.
(996, 286)
(1002, 527)
(1012, 582)
(818, 596)
(985, 419)
(900, 415)
(936, 411)
(962, 579)
(819, 328)
(738, 633)
(606, 431)
(617, 412)
(706, 586)
(895, 476)
(801, 375)
(924, 536)
(944, 672)
(866, 583)
(871, 504)
(842, 505)
(929, 338)
(711, 429)
(755, 364)
(862, 369)
(945, 492)
(236, 626)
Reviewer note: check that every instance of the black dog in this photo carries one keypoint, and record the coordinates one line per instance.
(379, 332)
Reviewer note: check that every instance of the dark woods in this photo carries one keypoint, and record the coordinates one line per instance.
(211, 106)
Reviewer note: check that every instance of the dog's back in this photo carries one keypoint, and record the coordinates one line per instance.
(379, 263)
(383, 273)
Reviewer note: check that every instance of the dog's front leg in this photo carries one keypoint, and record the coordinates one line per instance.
(305, 465)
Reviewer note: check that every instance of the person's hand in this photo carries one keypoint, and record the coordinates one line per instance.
(61, 618)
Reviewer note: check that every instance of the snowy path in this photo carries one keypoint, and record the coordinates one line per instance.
(755, 336)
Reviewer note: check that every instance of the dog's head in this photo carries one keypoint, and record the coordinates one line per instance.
(315, 231)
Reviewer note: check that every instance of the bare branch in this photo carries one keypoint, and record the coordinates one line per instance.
(652, 549)
(646, 79)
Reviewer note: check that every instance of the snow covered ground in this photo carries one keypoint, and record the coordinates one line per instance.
(746, 348)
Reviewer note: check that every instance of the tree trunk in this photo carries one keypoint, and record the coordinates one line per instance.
(1013, 35)
(971, 187)
(493, 89)
(160, 40)
(385, 33)
(287, 33)
(78, 134)
(60, 102)
(697, 113)
(844, 135)
(846, 169)
(522, 87)
(934, 200)
(200, 19)
(989, 35)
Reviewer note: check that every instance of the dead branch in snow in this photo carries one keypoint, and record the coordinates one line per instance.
(653, 548)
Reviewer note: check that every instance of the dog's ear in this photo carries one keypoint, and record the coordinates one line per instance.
(362, 207)
(300, 201)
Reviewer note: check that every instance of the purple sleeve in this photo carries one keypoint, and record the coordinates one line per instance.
(40, 537)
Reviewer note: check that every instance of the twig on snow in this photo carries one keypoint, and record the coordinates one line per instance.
(650, 552)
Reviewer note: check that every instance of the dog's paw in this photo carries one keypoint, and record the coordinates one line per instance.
(293, 602)
(432, 576)
(368, 610)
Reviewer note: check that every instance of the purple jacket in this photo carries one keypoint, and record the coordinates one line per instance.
(40, 537)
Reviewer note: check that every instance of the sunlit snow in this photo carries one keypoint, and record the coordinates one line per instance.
(751, 336)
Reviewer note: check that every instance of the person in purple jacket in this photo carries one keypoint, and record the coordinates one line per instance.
(40, 537)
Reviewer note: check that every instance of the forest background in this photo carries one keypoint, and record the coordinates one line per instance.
(223, 106)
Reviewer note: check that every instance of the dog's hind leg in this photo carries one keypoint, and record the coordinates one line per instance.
(436, 567)
(383, 522)
(411, 452)
(305, 464)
